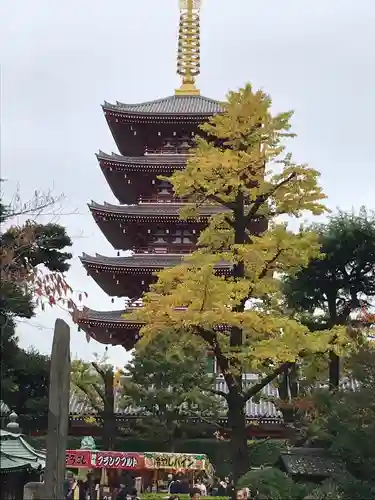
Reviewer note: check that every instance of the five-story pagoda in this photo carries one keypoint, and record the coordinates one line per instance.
(153, 139)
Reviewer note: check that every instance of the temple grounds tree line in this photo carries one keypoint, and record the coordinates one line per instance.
(242, 165)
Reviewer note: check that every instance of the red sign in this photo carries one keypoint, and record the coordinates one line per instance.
(104, 459)
(115, 460)
(78, 458)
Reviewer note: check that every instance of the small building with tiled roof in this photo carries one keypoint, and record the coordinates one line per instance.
(20, 462)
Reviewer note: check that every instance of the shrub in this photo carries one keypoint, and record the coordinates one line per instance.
(272, 483)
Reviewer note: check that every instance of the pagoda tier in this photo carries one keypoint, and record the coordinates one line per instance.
(135, 179)
(110, 327)
(139, 128)
(131, 276)
(151, 227)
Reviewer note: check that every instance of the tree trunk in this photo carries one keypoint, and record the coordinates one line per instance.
(334, 360)
(171, 442)
(284, 395)
(109, 416)
(334, 370)
(238, 442)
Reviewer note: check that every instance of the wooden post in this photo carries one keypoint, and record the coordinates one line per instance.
(58, 412)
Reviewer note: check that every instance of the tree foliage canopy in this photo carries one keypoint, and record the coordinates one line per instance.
(23, 248)
(346, 420)
(168, 382)
(341, 279)
(240, 163)
(242, 166)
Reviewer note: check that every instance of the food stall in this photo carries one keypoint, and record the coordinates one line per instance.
(145, 471)
(158, 466)
(108, 469)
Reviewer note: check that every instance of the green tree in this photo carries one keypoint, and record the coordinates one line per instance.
(230, 288)
(345, 421)
(23, 248)
(94, 383)
(168, 382)
(24, 388)
(339, 281)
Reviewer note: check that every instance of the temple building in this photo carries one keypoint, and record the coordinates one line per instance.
(153, 139)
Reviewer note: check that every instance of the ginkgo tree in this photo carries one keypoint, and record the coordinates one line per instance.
(228, 292)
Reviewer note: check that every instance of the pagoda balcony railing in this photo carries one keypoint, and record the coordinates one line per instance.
(166, 249)
(170, 150)
(161, 198)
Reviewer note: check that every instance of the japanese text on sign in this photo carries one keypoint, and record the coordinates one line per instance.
(114, 460)
(173, 461)
(77, 458)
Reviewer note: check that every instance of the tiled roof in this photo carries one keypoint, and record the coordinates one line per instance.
(264, 409)
(103, 316)
(134, 261)
(16, 453)
(148, 209)
(117, 319)
(149, 160)
(144, 260)
(311, 462)
(173, 105)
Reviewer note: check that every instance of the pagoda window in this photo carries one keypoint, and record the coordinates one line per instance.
(182, 236)
(164, 187)
(159, 239)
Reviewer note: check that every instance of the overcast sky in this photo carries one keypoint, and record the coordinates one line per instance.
(62, 59)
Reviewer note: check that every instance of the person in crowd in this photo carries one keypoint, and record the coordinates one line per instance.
(208, 486)
(230, 487)
(171, 481)
(183, 487)
(69, 486)
(222, 488)
(195, 494)
(201, 487)
(134, 494)
(121, 493)
(175, 488)
(215, 487)
(242, 494)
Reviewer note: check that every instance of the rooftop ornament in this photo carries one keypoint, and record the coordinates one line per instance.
(13, 425)
(188, 55)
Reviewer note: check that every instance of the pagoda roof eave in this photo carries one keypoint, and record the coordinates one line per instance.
(151, 210)
(117, 317)
(109, 327)
(135, 261)
(172, 161)
(149, 261)
(171, 107)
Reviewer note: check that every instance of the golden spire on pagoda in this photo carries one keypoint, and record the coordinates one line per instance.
(188, 55)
